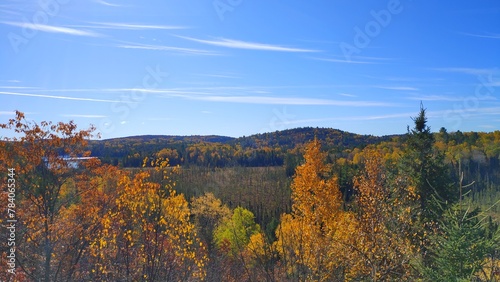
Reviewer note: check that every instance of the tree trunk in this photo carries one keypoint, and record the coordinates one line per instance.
(48, 254)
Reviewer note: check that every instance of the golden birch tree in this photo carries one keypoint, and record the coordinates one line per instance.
(313, 241)
(148, 235)
(382, 247)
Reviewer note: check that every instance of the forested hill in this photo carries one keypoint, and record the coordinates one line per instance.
(267, 149)
(291, 138)
(286, 148)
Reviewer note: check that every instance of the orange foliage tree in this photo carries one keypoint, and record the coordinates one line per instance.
(313, 241)
(79, 220)
(46, 158)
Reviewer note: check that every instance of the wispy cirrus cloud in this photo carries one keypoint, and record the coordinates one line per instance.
(7, 113)
(467, 112)
(268, 100)
(54, 29)
(345, 118)
(348, 95)
(240, 95)
(128, 26)
(58, 97)
(274, 100)
(402, 79)
(376, 117)
(363, 60)
(471, 71)
(444, 98)
(398, 88)
(224, 94)
(216, 75)
(343, 61)
(158, 119)
(105, 3)
(484, 35)
(487, 126)
(436, 98)
(83, 116)
(238, 44)
(181, 50)
(18, 87)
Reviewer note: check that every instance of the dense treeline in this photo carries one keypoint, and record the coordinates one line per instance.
(272, 149)
(406, 207)
(269, 149)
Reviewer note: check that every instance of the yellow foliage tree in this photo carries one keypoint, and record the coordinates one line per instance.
(208, 212)
(148, 235)
(384, 250)
(313, 241)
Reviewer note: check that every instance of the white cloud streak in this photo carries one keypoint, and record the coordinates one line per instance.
(268, 100)
(347, 118)
(471, 71)
(54, 29)
(435, 98)
(444, 98)
(102, 2)
(237, 44)
(343, 61)
(228, 94)
(377, 117)
(363, 60)
(7, 113)
(83, 116)
(216, 75)
(348, 95)
(18, 87)
(490, 36)
(240, 95)
(181, 50)
(128, 26)
(398, 88)
(58, 97)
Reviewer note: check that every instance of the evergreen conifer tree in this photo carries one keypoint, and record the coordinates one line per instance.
(426, 172)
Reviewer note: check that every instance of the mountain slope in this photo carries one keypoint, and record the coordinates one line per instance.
(267, 149)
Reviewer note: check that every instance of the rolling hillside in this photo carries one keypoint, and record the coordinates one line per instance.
(266, 149)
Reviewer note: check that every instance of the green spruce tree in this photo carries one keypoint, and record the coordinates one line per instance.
(459, 250)
(426, 172)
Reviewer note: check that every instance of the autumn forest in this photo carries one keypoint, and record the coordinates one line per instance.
(305, 204)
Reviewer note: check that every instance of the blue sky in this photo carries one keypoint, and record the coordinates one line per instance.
(239, 67)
